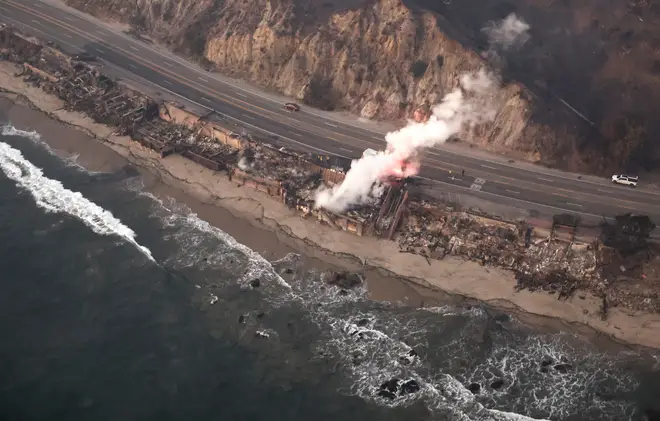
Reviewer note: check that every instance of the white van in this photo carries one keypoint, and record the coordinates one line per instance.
(626, 180)
(369, 152)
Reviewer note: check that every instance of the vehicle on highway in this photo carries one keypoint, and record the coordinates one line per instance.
(291, 106)
(83, 57)
(369, 152)
(626, 180)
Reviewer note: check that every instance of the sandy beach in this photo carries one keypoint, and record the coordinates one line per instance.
(273, 229)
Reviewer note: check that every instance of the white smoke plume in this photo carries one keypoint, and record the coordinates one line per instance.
(508, 33)
(467, 105)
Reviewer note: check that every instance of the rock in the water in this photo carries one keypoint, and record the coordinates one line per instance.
(546, 362)
(412, 353)
(342, 279)
(260, 315)
(563, 368)
(388, 389)
(386, 394)
(255, 283)
(241, 318)
(475, 388)
(362, 322)
(410, 386)
(343, 293)
(497, 384)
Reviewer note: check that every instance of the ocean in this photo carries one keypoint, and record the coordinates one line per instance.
(117, 305)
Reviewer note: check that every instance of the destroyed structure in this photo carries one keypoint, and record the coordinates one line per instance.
(620, 266)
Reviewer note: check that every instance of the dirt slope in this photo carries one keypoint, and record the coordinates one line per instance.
(588, 75)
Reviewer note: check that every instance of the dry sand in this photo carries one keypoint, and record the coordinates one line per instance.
(214, 195)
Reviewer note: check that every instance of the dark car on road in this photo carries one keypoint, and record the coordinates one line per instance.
(84, 57)
(291, 106)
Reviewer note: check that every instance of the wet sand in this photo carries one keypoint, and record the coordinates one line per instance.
(272, 229)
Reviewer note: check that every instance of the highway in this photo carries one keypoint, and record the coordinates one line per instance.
(491, 179)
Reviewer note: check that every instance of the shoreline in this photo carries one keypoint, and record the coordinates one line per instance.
(451, 276)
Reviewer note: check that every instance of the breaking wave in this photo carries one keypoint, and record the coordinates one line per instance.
(9, 130)
(69, 161)
(193, 234)
(376, 343)
(53, 197)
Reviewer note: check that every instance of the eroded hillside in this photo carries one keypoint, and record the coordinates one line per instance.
(589, 73)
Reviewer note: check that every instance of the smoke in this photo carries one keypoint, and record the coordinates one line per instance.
(467, 105)
(508, 33)
(471, 103)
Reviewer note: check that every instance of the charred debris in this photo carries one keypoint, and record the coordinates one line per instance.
(619, 265)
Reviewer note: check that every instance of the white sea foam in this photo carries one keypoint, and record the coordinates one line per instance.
(53, 197)
(367, 344)
(70, 161)
(9, 130)
(192, 231)
(555, 393)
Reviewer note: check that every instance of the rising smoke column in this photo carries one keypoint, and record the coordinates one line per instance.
(468, 105)
(508, 33)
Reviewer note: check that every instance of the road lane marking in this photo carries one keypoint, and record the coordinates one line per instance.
(381, 138)
(330, 124)
(37, 22)
(544, 179)
(134, 48)
(247, 116)
(167, 63)
(140, 59)
(513, 191)
(575, 204)
(132, 66)
(202, 79)
(66, 35)
(345, 149)
(241, 95)
(181, 79)
(488, 166)
(167, 81)
(101, 33)
(69, 18)
(205, 99)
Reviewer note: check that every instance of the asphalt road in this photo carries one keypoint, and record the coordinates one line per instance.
(489, 179)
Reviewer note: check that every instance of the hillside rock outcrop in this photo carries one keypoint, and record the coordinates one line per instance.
(585, 83)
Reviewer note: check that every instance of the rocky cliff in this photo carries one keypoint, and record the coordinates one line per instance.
(579, 94)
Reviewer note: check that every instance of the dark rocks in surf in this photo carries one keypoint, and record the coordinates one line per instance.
(362, 322)
(394, 386)
(342, 279)
(545, 364)
(342, 293)
(389, 388)
(408, 358)
(497, 384)
(475, 388)
(255, 283)
(260, 315)
(408, 387)
(241, 319)
(563, 368)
